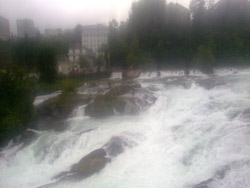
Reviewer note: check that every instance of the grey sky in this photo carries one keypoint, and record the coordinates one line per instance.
(67, 13)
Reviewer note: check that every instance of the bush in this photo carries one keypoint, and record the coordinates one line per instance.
(69, 86)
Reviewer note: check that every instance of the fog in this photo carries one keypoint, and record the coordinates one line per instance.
(67, 13)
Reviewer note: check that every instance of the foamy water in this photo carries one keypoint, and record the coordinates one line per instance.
(197, 132)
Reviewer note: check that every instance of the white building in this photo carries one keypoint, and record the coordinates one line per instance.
(94, 36)
(4, 29)
(64, 66)
(53, 32)
(25, 28)
(77, 50)
(74, 54)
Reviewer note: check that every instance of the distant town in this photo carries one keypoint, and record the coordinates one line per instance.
(93, 37)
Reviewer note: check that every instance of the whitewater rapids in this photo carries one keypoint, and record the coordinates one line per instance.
(196, 135)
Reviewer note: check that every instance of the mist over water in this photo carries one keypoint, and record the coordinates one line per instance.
(196, 135)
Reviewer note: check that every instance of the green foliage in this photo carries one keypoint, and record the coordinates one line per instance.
(47, 66)
(24, 52)
(5, 53)
(100, 61)
(205, 59)
(16, 101)
(167, 35)
(69, 86)
(83, 61)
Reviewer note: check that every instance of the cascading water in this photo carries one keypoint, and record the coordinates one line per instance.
(196, 135)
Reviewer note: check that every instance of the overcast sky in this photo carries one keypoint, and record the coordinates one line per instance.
(67, 13)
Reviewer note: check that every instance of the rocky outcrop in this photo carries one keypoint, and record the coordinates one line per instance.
(90, 164)
(61, 106)
(123, 99)
(95, 161)
(116, 146)
(130, 74)
(52, 113)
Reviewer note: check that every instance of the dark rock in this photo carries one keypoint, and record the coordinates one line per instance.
(94, 162)
(211, 83)
(104, 105)
(115, 101)
(115, 146)
(207, 70)
(90, 164)
(61, 106)
(130, 74)
(51, 124)
(52, 113)
(204, 184)
(87, 166)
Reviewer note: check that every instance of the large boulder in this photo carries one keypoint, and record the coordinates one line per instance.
(123, 99)
(91, 163)
(95, 161)
(52, 113)
(60, 107)
(131, 74)
(116, 146)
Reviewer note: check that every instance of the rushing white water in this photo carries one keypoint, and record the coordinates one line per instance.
(197, 130)
(40, 99)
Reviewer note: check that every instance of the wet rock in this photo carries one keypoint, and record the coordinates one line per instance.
(204, 184)
(87, 166)
(25, 138)
(91, 164)
(51, 124)
(115, 146)
(123, 99)
(95, 161)
(103, 106)
(131, 74)
(123, 89)
(211, 83)
(61, 106)
(51, 113)
(178, 81)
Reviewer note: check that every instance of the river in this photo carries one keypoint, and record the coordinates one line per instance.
(196, 135)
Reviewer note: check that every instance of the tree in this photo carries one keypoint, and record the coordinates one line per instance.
(47, 66)
(100, 62)
(83, 62)
(198, 11)
(16, 101)
(24, 52)
(205, 59)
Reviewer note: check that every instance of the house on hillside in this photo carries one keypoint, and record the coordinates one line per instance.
(94, 36)
(64, 66)
(75, 53)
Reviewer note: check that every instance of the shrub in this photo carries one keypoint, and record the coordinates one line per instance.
(69, 86)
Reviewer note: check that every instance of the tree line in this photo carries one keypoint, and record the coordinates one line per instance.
(160, 35)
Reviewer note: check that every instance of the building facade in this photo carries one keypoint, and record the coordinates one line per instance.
(94, 36)
(64, 66)
(74, 54)
(25, 28)
(4, 29)
(53, 32)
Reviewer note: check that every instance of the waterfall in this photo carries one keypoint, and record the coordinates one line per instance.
(196, 134)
